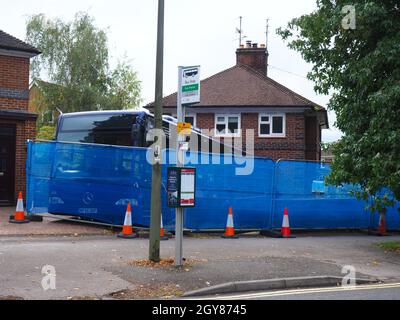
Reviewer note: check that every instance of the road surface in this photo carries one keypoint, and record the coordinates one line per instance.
(390, 291)
(96, 266)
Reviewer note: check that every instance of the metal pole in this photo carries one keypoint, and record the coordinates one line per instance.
(240, 32)
(180, 163)
(155, 218)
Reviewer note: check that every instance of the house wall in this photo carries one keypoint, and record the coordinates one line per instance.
(33, 98)
(14, 95)
(292, 146)
(14, 77)
(312, 139)
(46, 116)
(256, 58)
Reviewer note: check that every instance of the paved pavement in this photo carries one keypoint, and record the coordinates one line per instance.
(49, 226)
(96, 266)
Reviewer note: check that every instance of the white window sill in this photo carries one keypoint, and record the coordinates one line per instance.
(228, 136)
(271, 136)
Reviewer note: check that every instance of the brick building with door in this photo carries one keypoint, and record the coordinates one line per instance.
(17, 124)
(286, 125)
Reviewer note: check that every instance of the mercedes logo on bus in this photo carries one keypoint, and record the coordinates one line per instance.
(88, 198)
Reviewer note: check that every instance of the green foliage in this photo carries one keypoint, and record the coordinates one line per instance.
(390, 245)
(361, 67)
(46, 133)
(75, 59)
(326, 146)
(124, 88)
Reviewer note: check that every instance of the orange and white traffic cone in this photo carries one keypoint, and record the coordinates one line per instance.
(19, 216)
(285, 231)
(382, 223)
(127, 230)
(163, 237)
(230, 229)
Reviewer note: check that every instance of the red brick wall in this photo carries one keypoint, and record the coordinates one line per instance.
(13, 104)
(290, 147)
(33, 99)
(14, 74)
(205, 121)
(255, 58)
(24, 130)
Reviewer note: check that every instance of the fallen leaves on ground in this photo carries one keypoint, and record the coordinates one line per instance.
(393, 251)
(11, 298)
(376, 263)
(148, 263)
(390, 246)
(164, 263)
(166, 291)
(83, 298)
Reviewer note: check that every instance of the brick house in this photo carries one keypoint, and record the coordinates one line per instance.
(286, 125)
(17, 124)
(46, 115)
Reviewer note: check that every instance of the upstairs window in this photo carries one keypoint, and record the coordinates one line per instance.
(191, 119)
(48, 117)
(227, 125)
(271, 125)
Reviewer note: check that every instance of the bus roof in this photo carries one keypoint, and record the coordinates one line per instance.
(166, 118)
(84, 113)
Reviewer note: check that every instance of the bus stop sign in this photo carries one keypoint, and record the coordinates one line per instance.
(189, 85)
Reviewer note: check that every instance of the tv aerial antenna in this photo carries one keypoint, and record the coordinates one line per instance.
(240, 32)
(267, 33)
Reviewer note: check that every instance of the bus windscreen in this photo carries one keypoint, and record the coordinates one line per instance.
(112, 129)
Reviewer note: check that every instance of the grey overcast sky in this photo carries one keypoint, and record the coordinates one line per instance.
(197, 32)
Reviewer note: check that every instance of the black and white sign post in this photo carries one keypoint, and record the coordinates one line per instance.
(188, 93)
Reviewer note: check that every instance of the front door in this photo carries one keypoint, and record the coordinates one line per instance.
(7, 164)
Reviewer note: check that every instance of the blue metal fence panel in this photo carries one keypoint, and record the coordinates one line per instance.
(300, 187)
(39, 164)
(220, 187)
(393, 218)
(96, 182)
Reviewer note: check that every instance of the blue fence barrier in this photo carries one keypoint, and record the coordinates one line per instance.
(96, 182)
(300, 187)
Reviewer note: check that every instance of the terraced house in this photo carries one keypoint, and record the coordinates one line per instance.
(17, 124)
(286, 125)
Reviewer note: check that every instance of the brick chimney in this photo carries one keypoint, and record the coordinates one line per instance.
(253, 56)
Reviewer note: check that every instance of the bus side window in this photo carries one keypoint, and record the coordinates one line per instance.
(148, 136)
(137, 135)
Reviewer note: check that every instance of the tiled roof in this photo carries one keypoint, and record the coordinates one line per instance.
(243, 86)
(9, 42)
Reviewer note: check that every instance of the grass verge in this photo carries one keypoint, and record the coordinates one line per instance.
(390, 246)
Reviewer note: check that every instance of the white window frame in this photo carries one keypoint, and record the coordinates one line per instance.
(194, 115)
(226, 116)
(51, 121)
(194, 118)
(271, 115)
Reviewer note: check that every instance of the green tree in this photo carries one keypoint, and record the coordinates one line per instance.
(46, 132)
(357, 60)
(75, 58)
